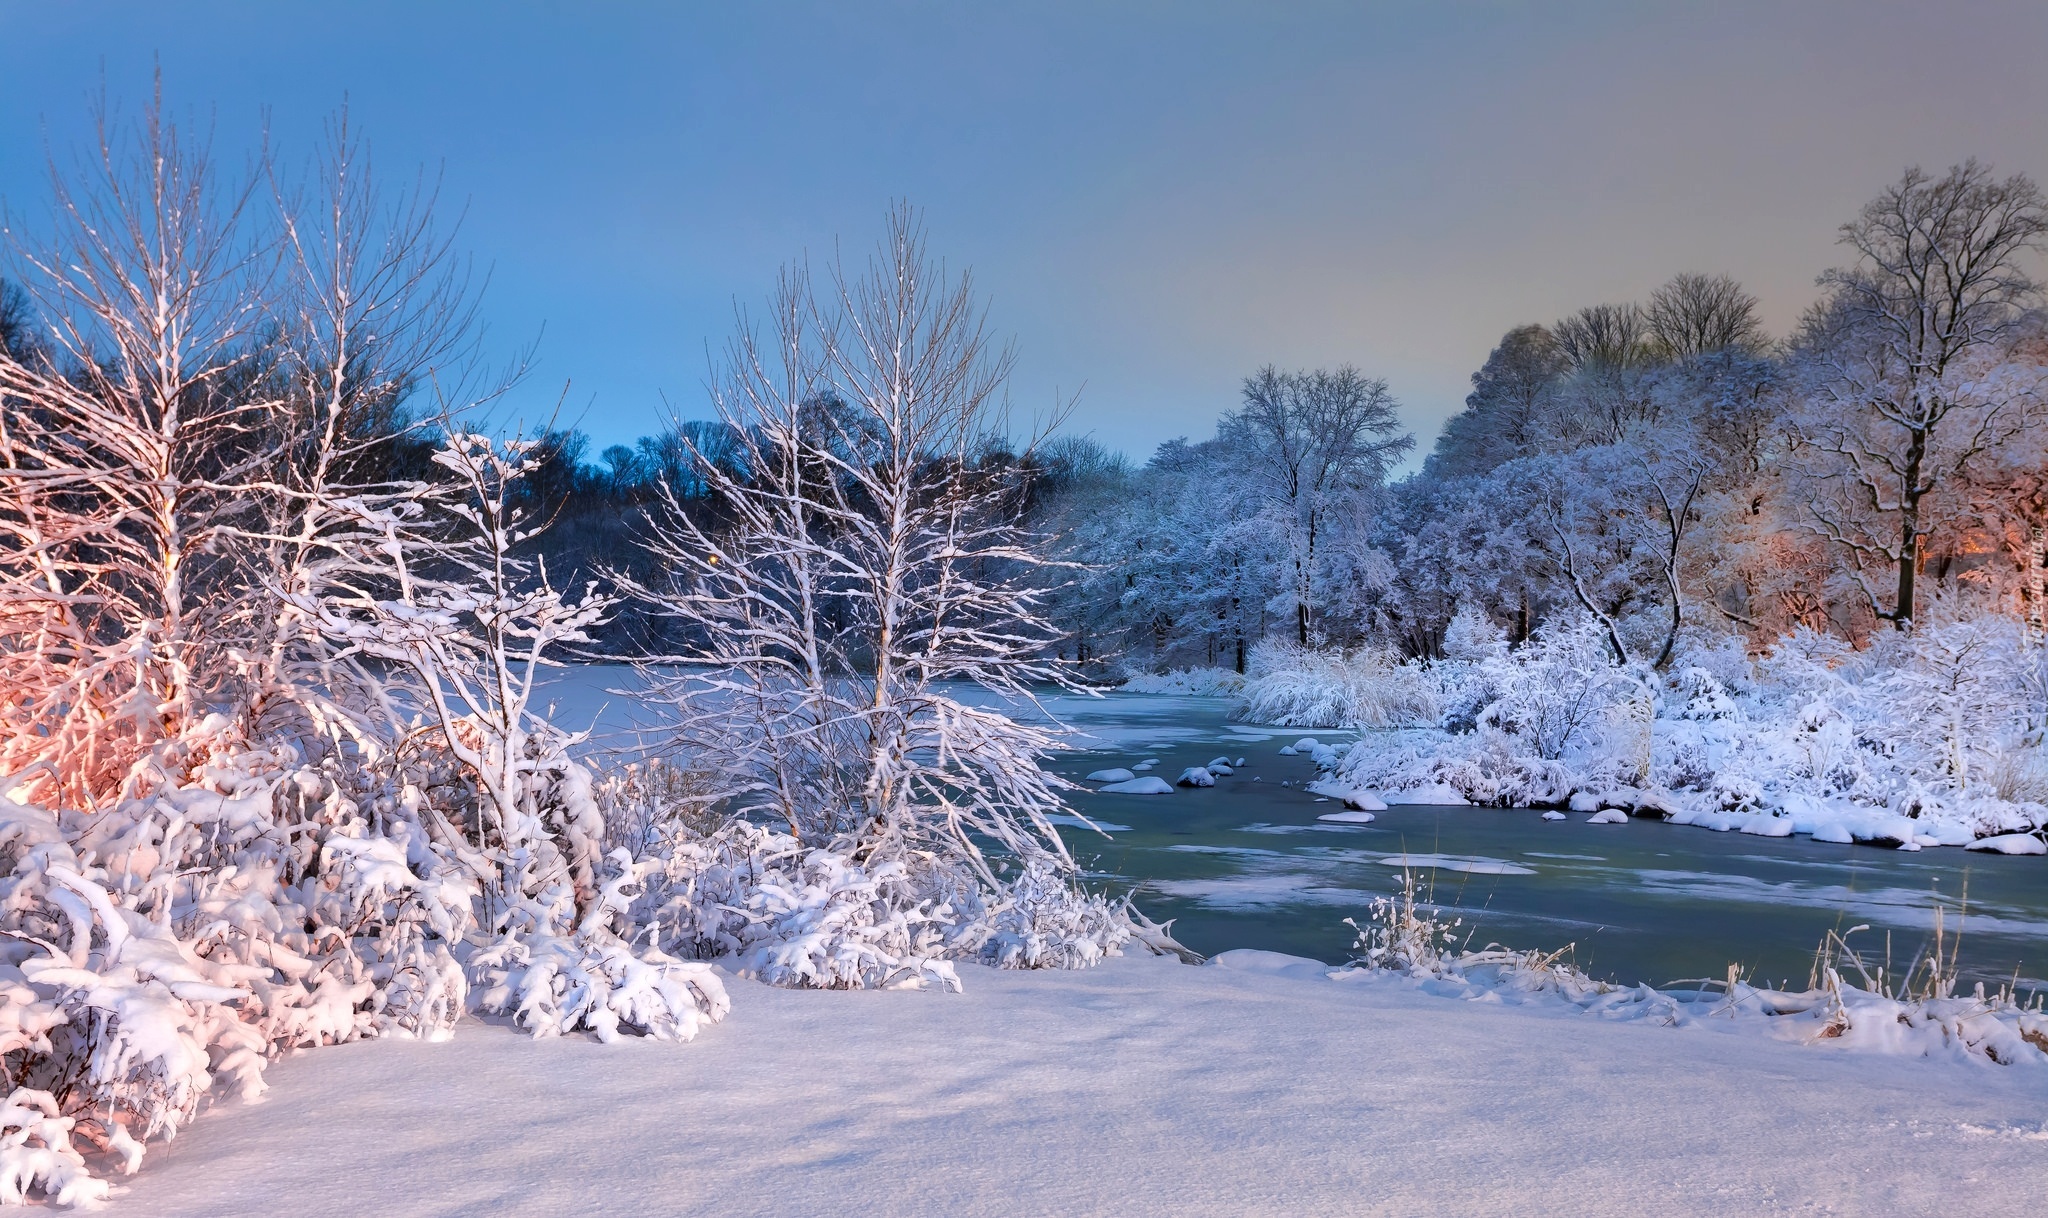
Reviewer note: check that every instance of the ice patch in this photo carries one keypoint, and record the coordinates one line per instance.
(1082, 822)
(1452, 862)
(1347, 818)
(1263, 891)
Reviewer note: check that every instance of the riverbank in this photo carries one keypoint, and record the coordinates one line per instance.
(1140, 1087)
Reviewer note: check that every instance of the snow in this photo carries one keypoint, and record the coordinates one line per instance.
(1116, 775)
(1142, 1087)
(1354, 798)
(1347, 817)
(1435, 794)
(2012, 843)
(1148, 785)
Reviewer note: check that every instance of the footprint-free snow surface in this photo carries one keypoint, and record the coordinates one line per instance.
(1139, 1088)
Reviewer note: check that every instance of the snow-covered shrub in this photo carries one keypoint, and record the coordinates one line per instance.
(36, 1153)
(1922, 738)
(903, 798)
(818, 918)
(812, 918)
(596, 980)
(1188, 682)
(1472, 638)
(1042, 919)
(1367, 688)
(1961, 699)
(1559, 689)
(183, 937)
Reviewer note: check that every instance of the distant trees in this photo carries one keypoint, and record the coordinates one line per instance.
(1659, 467)
(1696, 315)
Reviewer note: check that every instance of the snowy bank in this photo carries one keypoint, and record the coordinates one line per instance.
(1142, 1087)
(1932, 739)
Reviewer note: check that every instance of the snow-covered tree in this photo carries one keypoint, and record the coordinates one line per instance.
(1903, 353)
(1312, 446)
(864, 570)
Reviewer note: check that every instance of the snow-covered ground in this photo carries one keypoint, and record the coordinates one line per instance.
(1140, 1087)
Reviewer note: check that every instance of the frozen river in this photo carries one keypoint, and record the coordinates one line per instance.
(1248, 864)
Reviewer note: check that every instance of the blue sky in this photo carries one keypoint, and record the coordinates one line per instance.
(1155, 198)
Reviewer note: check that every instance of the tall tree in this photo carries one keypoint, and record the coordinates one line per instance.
(1698, 315)
(1505, 415)
(1938, 286)
(1310, 441)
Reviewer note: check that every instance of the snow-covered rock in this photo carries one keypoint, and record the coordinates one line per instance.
(1348, 817)
(1148, 785)
(2011, 843)
(1112, 775)
(1196, 776)
(1609, 816)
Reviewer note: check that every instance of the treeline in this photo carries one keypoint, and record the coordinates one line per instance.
(1663, 467)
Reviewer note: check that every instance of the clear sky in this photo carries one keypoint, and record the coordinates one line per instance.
(1155, 198)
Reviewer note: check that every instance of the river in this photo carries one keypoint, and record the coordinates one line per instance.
(1246, 863)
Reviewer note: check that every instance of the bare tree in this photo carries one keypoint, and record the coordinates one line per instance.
(1607, 351)
(372, 304)
(126, 442)
(1311, 441)
(866, 563)
(1937, 290)
(1604, 336)
(1696, 315)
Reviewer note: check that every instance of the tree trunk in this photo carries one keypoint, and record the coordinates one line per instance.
(2037, 560)
(1910, 492)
